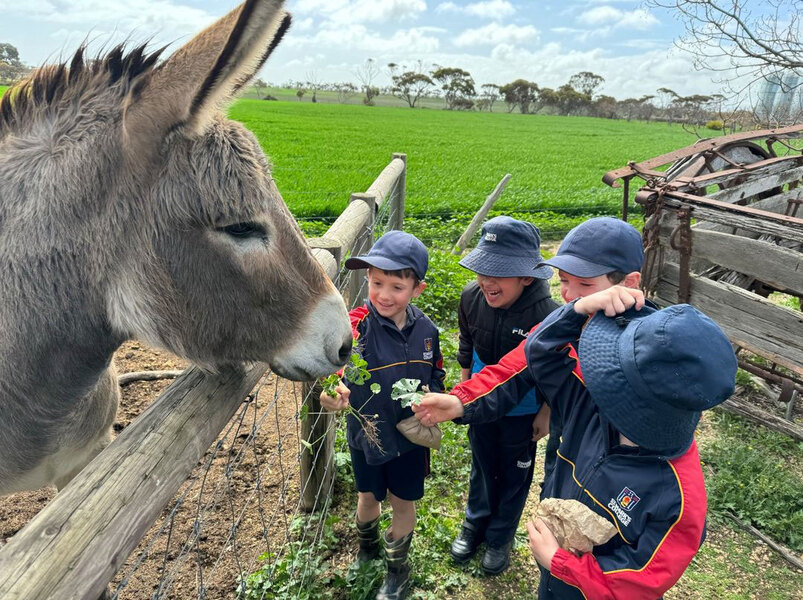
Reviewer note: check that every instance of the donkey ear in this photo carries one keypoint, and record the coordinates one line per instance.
(190, 87)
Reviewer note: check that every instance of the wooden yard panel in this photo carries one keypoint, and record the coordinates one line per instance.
(779, 267)
(773, 204)
(748, 319)
(752, 188)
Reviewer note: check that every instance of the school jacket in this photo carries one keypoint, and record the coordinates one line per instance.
(414, 352)
(657, 503)
(493, 332)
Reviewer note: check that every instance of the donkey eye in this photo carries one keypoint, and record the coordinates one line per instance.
(245, 230)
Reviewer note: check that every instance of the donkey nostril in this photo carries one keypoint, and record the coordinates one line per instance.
(345, 351)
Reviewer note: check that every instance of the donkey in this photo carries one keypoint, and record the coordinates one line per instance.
(131, 208)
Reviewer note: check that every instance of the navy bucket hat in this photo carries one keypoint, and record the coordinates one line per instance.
(394, 251)
(599, 246)
(651, 372)
(507, 248)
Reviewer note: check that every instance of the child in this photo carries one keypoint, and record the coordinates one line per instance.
(497, 312)
(397, 341)
(628, 408)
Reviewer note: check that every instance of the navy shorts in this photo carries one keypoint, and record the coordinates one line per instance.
(403, 476)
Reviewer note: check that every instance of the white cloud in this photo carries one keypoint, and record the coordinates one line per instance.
(361, 11)
(609, 16)
(489, 9)
(416, 40)
(493, 34)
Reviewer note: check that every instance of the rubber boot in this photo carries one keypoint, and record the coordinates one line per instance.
(397, 581)
(368, 535)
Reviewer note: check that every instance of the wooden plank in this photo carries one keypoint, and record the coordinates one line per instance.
(752, 188)
(480, 215)
(79, 540)
(774, 204)
(748, 173)
(766, 418)
(740, 220)
(779, 267)
(748, 319)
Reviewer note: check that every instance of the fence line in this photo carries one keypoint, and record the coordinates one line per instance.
(77, 543)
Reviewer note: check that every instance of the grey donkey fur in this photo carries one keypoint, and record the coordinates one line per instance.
(131, 208)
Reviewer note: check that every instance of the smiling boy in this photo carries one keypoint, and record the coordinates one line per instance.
(496, 312)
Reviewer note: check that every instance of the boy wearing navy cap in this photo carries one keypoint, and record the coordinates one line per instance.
(397, 341)
(496, 312)
(629, 407)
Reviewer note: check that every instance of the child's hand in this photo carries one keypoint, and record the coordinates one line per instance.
(541, 423)
(613, 301)
(437, 408)
(339, 402)
(543, 544)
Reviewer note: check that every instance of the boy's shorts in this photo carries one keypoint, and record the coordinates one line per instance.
(403, 476)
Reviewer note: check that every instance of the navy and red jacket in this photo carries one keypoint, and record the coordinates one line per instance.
(414, 353)
(657, 503)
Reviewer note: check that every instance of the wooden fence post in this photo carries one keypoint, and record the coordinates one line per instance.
(479, 217)
(396, 220)
(317, 460)
(363, 243)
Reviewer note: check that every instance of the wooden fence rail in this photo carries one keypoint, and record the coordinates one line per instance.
(75, 545)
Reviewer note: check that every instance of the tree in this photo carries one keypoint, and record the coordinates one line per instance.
(754, 40)
(489, 95)
(519, 93)
(457, 86)
(410, 86)
(260, 85)
(11, 68)
(570, 101)
(300, 93)
(604, 107)
(345, 91)
(366, 74)
(586, 82)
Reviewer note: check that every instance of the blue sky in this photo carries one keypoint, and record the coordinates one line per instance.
(495, 40)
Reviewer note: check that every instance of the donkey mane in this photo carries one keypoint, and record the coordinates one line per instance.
(50, 85)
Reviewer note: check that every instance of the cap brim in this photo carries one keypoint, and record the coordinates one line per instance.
(574, 265)
(380, 262)
(502, 265)
(656, 426)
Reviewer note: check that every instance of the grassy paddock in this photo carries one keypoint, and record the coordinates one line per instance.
(323, 152)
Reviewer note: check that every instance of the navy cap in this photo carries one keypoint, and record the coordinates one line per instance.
(507, 248)
(651, 372)
(599, 246)
(394, 251)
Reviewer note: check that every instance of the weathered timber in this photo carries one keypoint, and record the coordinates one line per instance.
(779, 267)
(753, 187)
(784, 552)
(317, 461)
(773, 331)
(745, 408)
(740, 176)
(739, 220)
(480, 215)
(86, 533)
(127, 378)
(396, 219)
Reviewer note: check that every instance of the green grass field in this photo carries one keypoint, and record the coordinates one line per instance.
(323, 152)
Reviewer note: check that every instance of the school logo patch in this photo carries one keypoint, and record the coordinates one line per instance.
(627, 499)
(490, 237)
(428, 349)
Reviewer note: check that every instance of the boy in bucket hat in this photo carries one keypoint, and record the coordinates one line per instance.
(496, 313)
(629, 407)
(397, 341)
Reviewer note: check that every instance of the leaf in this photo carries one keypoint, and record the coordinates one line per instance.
(375, 388)
(406, 392)
(307, 445)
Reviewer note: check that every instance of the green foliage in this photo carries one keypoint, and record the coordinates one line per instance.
(757, 476)
(716, 125)
(405, 392)
(445, 280)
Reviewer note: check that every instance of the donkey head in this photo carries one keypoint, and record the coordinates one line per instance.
(190, 244)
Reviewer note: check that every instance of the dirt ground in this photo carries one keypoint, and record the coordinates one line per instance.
(239, 501)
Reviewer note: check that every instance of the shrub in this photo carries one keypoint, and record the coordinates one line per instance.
(716, 125)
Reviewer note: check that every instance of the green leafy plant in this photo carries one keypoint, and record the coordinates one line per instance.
(405, 391)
